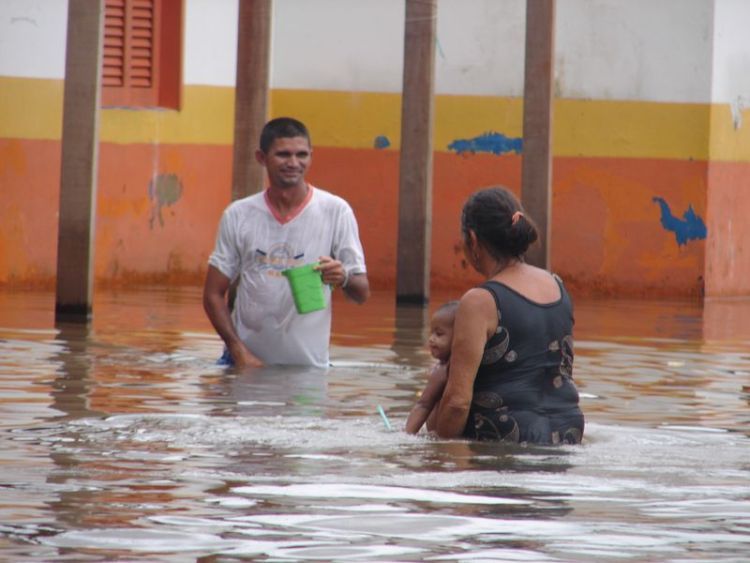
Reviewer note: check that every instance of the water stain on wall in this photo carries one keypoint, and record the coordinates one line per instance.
(490, 142)
(164, 190)
(690, 227)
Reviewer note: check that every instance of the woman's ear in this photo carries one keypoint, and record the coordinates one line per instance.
(471, 240)
(471, 245)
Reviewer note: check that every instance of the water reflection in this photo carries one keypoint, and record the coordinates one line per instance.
(411, 332)
(71, 388)
(124, 440)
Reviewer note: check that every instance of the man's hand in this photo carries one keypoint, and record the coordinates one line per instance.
(332, 271)
(355, 286)
(215, 305)
(243, 358)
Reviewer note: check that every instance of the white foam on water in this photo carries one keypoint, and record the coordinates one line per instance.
(276, 431)
(343, 552)
(232, 502)
(685, 428)
(428, 528)
(494, 555)
(139, 539)
(370, 508)
(347, 490)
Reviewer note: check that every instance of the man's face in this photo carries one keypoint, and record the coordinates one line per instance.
(287, 161)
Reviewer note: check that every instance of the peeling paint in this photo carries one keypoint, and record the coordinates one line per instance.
(491, 142)
(690, 227)
(163, 191)
(737, 106)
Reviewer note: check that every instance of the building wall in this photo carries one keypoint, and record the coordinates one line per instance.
(645, 136)
(727, 252)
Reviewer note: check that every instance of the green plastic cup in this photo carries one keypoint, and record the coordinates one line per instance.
(307, 288)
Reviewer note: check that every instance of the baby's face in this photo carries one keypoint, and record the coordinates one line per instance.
(441, 336)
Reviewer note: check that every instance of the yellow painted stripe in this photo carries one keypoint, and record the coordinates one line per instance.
(598, 128)
(730, 134)
(592, 128)
(206, 117)
(342, 119)
(32, 109)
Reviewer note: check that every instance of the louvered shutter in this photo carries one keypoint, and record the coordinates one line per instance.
(141, 49)
(130, 61)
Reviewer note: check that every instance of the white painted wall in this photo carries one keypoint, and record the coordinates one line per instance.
(32, 38)
(731, 56)
(338, 44)
(659, 50)
(481, 45)
(656, 50)
(210, 43)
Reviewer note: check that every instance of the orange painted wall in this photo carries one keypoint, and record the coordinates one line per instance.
(137, 239)
(29, 200)
(607, 236)
(606, 231)
(728, 243)
(142, 237)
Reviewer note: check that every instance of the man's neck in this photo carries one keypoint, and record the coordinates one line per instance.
(286, 200)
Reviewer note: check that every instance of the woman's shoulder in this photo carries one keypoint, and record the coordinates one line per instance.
(534, 284)
(478, 302)
(476, 297)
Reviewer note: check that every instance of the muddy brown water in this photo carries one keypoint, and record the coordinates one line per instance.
(122, 440)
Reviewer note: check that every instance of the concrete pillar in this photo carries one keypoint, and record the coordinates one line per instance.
(78, 178)
(415, 172)
(251, 94)
(536, 177)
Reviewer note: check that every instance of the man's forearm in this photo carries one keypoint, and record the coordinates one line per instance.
(218, 313)
(357, 288)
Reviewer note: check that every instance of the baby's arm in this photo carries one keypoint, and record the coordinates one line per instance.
(428, 399)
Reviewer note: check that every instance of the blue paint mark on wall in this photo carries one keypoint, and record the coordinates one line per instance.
(690, 227)
(382, 142)
(495, 143)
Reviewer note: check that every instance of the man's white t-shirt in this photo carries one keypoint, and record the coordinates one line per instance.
(256, 245)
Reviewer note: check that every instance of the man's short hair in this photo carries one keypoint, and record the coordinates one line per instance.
(282, 128)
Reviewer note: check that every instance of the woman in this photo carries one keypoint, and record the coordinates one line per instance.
(512, 355)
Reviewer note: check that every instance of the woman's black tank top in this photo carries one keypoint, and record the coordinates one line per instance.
(524, 391)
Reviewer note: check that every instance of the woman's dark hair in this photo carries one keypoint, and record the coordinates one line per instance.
(489, 213)
(282, 128)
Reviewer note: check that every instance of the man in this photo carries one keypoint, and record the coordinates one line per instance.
(291, 223)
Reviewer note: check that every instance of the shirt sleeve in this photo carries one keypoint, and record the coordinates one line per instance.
(226, 254)
(346, 244)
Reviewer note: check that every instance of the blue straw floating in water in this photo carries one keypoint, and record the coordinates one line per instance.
(385, 418)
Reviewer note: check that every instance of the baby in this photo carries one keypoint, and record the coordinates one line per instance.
(441, 337)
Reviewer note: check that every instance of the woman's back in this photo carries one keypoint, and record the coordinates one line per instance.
(523, 391)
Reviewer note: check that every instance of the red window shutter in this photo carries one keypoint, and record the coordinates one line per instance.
(113, 68)
(130, 60)
(141, 60)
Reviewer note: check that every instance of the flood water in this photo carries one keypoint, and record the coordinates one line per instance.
(124, 441)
